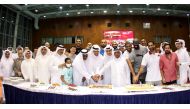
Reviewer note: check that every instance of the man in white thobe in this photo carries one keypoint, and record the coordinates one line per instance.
(7, 64)
(57, 58)
(42, 63)
(81, 74)
(27, 66)
(108, 56)
(94, 63)
(184, 61)
(120, 70)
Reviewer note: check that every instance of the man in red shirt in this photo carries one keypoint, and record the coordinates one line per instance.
(169, 66)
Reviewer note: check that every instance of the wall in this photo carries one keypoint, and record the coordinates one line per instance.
(176, 27)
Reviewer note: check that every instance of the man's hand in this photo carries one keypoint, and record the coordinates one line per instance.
(62, 65)
(163, 80)
(96, 77)
(83, 79)
(178, 76)
(135, 79)
(19, 74)
(102, 77)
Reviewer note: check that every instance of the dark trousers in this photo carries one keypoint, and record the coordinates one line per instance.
(171, 82)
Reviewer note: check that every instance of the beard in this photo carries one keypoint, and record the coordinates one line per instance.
(103, 46)
(152, 49)
(167, 52)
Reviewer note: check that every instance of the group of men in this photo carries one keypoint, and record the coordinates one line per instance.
(118, 64)
(138, 62)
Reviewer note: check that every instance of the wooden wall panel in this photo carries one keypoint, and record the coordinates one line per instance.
(176, 27)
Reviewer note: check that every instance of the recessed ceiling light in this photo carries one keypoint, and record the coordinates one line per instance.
(131, 11)
(3, 17)
(118, 4)
(147, 4)
(67, 14)
(144, 11)
(187, 14)
(25, 4)
(105, 11)
(167, 13)
(36, 10)
(158, 9)
(60, 7)
(91, 12)
(12, 21)
(78, 13)
(44, 16)
(118, 11)
(87, 5)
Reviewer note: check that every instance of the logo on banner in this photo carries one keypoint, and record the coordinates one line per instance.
(118, 36)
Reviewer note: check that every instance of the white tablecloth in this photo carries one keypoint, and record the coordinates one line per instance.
(81, 90)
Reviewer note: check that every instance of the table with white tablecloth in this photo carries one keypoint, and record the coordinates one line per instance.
(23, 93)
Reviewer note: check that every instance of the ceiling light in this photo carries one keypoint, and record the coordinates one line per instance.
(147, 4)
(25, 4)
(60, 7)
(78, 13)
(158, 9)
(91, 12)
(167, 13)
(44, 16)
(187, 14)
(118, 4)
(118, 11)
(36, 10)
(87, 5)
(131, 11)
(67, 14)
(105, 11)
(3, 17)
(144, 11)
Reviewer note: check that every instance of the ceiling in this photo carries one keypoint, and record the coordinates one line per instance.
(45, 11)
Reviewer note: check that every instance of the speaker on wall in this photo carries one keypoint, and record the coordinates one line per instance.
(127, 24)
(109, 24)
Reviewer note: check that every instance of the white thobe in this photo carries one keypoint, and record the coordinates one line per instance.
(42, 72)
(7, 67)
(80, 71)
(27, 69)
(93, 66)
(55, 62)
(184, 61)
(120, 72)
(107, 73)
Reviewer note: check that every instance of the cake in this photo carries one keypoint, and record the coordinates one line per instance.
(139, 87)
(72, 89)
(56, 84)
(100, 86)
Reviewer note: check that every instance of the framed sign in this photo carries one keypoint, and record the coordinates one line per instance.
(118, 36)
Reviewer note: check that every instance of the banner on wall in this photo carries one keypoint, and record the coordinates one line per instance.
(118, 36)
